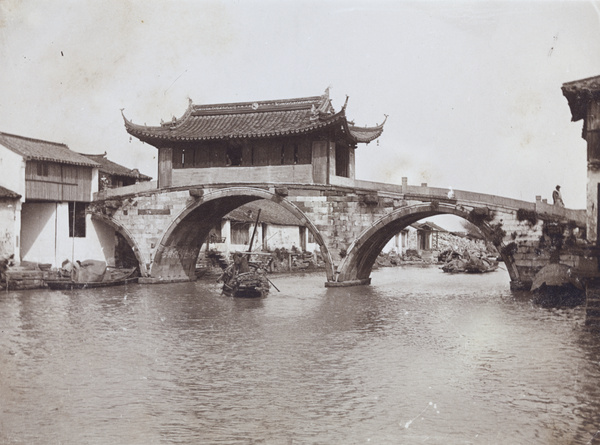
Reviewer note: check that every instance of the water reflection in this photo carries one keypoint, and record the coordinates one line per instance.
(418, 356)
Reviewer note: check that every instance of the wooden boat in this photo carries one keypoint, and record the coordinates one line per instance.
(112, 277)
(555, 275)
(244, 278)
(469, 265)
(252, 284)
(481, 265)
(558, 285)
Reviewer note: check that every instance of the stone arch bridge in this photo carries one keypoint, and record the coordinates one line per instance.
(167, 227)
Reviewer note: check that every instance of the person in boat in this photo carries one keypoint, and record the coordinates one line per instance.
(240, 263)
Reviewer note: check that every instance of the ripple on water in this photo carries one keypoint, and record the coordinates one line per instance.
(417, 356)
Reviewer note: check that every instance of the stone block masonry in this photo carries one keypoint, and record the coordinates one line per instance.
(162, 223)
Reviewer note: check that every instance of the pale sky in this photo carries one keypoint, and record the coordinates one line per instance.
(472, 89)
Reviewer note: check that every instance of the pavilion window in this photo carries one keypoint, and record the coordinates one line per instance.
(187, 158)
(77, 219)
(260, 154)
(234, 155)
(247, 154)
(178, 158)
(218, 155)
(201, 157)
(305, 153)
(289, 150)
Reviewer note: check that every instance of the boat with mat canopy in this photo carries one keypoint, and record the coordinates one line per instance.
(245, 278)
(90, 274)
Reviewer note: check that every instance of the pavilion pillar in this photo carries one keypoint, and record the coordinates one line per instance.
(320, 162)
(352, 163)
(331, 160)
(165, 167)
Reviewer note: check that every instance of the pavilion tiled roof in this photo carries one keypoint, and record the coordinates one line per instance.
(579, 93)
(262, 119)
(39, 150)
(112, 168)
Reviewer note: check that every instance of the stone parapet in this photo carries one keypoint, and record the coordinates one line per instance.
(164, 224)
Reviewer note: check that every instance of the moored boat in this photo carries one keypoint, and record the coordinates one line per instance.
(467, 263)
(67, 284)
(90, 274)
(558, 285)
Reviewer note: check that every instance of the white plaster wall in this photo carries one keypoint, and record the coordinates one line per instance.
(12, 167)
(393, 245)
(17, 228)
(400, 242)
(313, 247)
(9, 231)
(101, 237)
(38, 243)
(278, 237)
(95, 182)
(45, 236)
(592, 205)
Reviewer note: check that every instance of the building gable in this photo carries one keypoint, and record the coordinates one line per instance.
(46, 171)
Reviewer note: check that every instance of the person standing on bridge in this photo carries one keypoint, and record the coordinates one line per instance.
(557, 197)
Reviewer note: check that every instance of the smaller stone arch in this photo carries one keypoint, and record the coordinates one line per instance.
(128, 238)
(356, 267)
(176, 254)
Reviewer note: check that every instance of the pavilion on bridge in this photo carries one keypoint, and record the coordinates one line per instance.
(302, 140)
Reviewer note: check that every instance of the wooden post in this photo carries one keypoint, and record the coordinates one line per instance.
(254, 231)
(165, 167)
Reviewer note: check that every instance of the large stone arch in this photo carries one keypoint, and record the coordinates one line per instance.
(356, 267)
(177, 252)
(96, 217)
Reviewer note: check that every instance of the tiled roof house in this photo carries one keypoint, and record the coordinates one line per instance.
(51, 186)
(111, 174)
(276, 228)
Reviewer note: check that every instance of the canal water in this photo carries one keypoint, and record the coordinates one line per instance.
(417, 357)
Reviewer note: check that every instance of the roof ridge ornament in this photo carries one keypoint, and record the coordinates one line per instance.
(314, 113)
(345, 103)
